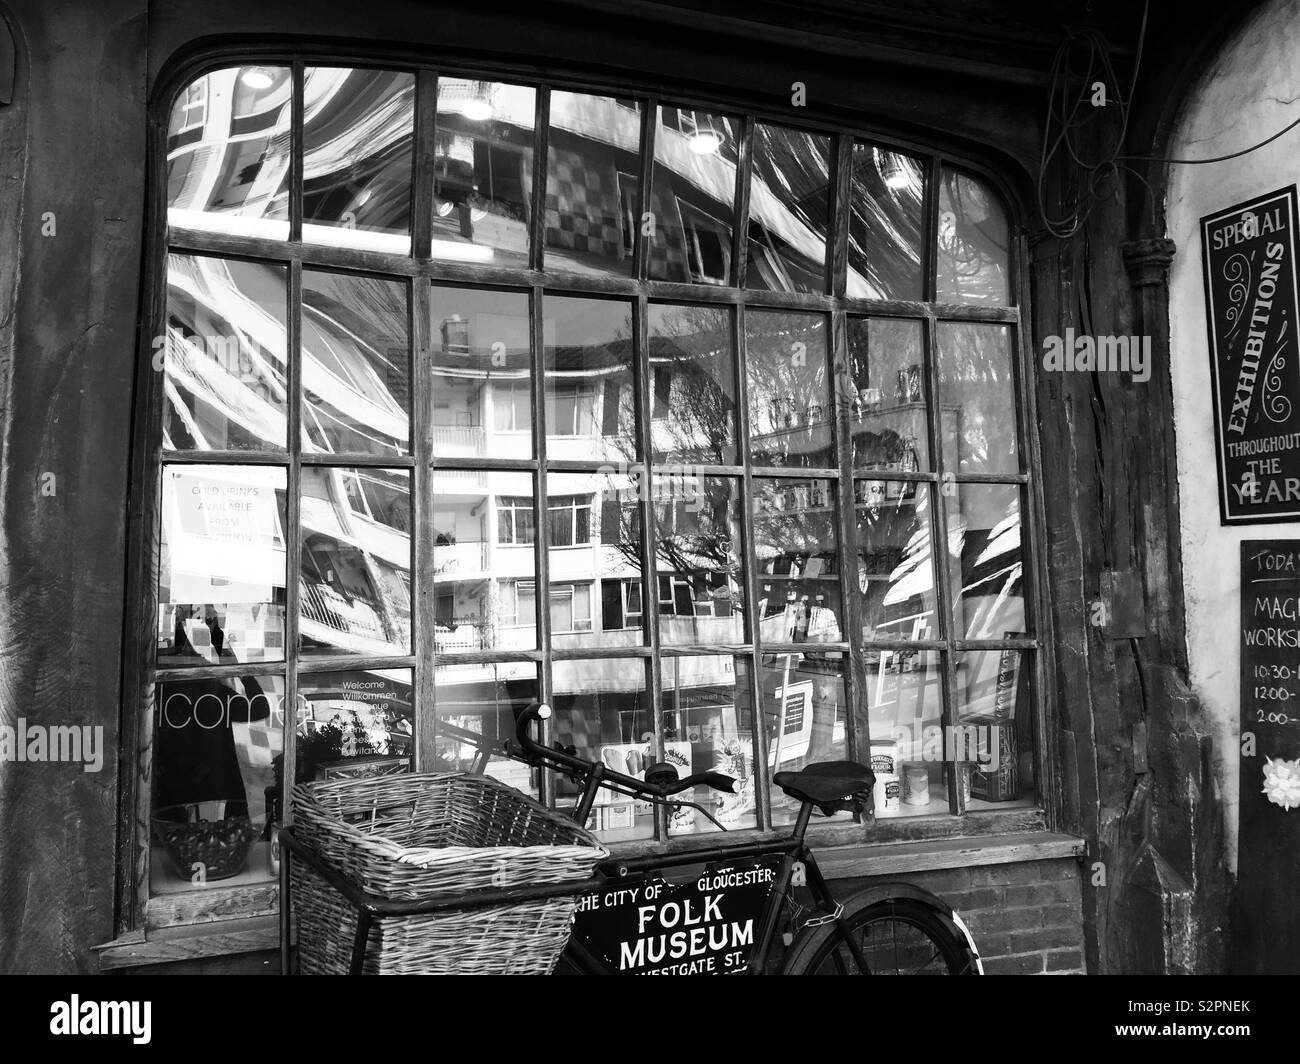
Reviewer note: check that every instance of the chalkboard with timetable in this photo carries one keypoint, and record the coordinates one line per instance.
(1267, 922)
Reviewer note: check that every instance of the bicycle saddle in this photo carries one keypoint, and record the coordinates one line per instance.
(827, 784)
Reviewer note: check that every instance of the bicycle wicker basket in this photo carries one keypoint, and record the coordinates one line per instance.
(422, 835)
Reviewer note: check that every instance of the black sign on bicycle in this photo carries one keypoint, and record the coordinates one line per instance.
(706, 925)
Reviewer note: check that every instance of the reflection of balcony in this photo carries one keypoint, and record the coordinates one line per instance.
(459, 441)
(459, 559)
(458, 639)
(322, 604)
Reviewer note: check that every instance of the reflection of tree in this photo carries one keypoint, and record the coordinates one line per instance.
(972, 237)
(692, 378)
(789, 395)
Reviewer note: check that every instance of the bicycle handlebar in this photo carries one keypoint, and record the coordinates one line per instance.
(538, 711)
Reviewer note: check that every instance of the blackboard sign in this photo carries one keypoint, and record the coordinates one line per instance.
(1251, 301)
(706, 925)
(1266, 936)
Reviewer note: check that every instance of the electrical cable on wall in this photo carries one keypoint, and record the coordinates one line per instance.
(1063, 111)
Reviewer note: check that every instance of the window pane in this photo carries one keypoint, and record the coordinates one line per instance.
(995, 716)
(895, 563)
(356, 364)
(358, 128)
(602, 709)
(977, 400)
(217, 770)
(795, 545)
(355, 724)
(790, 418)
(225, 355)
(693, 408)
(221, 565)
(228, 153)
(482, 373)
(911, 754)
(789, 210)
(708, 726)
(590, 392)
(985, 553)
(593, 159)
(693, 195)
(888, 405)
(483, 162)
(886, 224)
(356, 561)
(476, 707)
(485, 542)
(699, 554)
(805, 714)
(604, 523)
(973, 243)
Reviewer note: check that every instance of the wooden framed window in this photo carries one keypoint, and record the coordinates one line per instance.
(419, 327)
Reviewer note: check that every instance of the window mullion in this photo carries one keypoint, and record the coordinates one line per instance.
(838, 264)
(297, 138)
(425, 159)
(645, 191)
(537, 223)
(858, 723)
(744, 155)
(541, 559)
(757, 723)
(293, 540)
(649, 532)
(939, 558)
(424, 608)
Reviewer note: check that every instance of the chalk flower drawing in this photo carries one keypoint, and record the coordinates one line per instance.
(1282, 782)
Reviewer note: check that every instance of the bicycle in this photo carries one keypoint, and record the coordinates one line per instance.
(724, 919)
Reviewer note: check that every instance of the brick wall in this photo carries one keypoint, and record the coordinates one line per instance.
(1027, 919)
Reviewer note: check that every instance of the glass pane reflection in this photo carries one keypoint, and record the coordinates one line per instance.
(984, 546)
(228, 151)
(973, 243)
(484, 561)
(699, 573)
(592, 163)
(909, 752)
(603, 709)
(590, 390)
(895, 560)
(805, 715)
(358, 129)
(789, 210)
(708, 726)
(476, 707)
(356, 364)
(693, 195)
(795, 545)
(977, 398)
(355, 724)
(594, 538)
(355, 590)
(886, 224)
(482, 373)
(217, 779)
(790, 416)
(225, 355)
(693, 408)
(888, 406)
(221, 565)
(483, 162)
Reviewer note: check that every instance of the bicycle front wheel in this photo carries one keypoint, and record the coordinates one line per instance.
(896, 936)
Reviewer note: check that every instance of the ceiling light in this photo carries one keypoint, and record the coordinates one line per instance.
(445, 207)
(478, 109)
(258, 78)
(705, 141)
(893, 170)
